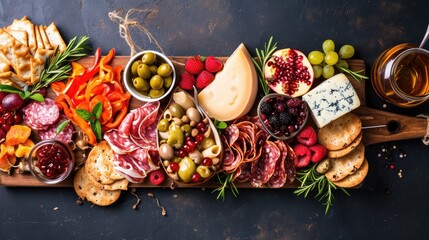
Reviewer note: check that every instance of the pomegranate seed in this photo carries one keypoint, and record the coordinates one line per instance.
(174, 166)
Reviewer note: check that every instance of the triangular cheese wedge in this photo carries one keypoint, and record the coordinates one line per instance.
(234, 89)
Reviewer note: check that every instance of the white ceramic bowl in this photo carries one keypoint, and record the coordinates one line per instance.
(129, 83)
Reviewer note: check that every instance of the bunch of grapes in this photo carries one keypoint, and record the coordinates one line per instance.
(324, 62)
(10, 111)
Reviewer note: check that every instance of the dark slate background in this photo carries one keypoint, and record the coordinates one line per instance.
(386, 207)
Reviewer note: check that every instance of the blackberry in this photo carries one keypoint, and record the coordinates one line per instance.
(275, 121)
(284, 117)
(266, 108)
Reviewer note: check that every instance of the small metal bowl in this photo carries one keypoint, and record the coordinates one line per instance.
(36, 168)
(266, 128)
(129, 83)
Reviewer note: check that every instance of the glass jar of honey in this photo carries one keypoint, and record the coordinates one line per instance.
(400, 75)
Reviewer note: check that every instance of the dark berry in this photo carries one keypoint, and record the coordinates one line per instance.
(293, 102)
(275, 121)
(266, 108)
(284, 117)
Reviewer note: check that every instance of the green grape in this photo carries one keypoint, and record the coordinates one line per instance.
(328, 71)
(328, 46)
(316, 57)
(331, 58)
(347, 51)
(317, 71)
(342, 63)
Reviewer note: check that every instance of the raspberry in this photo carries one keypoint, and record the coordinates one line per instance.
(318, 152)
(307, 136)
(194, 65)
(157, 177)
(187, 82)
(213, 64)
(204, 79)
(303, 156)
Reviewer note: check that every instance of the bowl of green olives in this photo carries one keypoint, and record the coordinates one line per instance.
(149, 76)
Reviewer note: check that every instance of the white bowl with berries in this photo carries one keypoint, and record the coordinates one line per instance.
(282, 116)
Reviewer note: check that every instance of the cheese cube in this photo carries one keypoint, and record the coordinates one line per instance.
(331, 99)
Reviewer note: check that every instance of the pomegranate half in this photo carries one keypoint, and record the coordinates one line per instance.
(289, 72)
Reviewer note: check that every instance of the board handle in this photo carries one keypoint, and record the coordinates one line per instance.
(407, 127)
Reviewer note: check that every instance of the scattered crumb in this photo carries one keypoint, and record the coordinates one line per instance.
(55, 208)
(133, 192)
(172, 186)
(175, 196)
(163, 211)
(384, 105)
(79, 201)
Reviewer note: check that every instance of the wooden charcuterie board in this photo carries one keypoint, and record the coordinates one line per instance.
(410, 128)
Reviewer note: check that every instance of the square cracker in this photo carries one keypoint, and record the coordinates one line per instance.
(44, 37)
(55, 38)
(19, 35)
(39, 41)
(28, 26)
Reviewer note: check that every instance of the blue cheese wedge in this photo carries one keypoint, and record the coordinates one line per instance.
(331, 99)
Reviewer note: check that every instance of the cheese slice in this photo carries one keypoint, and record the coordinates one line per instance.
(234, 89)
(332, 99)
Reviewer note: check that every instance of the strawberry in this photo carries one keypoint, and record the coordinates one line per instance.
(213, 64)
(204, 79)
(157, 177)
(303, 156)
(318, 152)
(187, 82)
(307, 136)
(194, 65)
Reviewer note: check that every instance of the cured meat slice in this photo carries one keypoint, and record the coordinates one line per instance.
(290, 166)
(42, 113)
(279, 177)
(65, 135)
(263, 168)
(119, 143)
(231, 133)
(244, 171)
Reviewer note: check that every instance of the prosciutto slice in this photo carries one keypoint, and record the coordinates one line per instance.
(134, 143)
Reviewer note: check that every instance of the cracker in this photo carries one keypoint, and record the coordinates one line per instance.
(39, 41)
(45, 39)
(341, 132)
(356, 178)
(346, 165)
(121, 184)
(55, 38)
(19, 35)
(4, 65)
(346, 150)
(37, 65)
(28, 26)
(85, 189)
(100, 163)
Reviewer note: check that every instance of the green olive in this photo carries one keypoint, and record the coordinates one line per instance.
(149, 58)
(163, 125)
(186, 128)
(143, 71)
(176, 110)
(156, 93)
(141, 84)
(134, 67)
(153, 69)
(204, 171)
(156, 82)
(207, 142)
(186, 169)
(164, 70)
(168, 81)
(176, 137)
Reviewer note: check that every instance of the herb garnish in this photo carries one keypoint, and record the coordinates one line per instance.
(57, 68)
(226, 181)
(93, 118)
(356, 75)
(312, 180)
(263, 57)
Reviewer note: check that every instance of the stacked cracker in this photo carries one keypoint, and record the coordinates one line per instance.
(24, 49)
(346, 153)
(97, 181)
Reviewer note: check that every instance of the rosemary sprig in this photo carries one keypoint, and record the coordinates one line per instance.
(356, 75)
(58, 67)
(225, 181)
(263, 57)
(312, 180)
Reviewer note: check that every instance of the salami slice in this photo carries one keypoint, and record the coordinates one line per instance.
(263, 168)
(65, 135)
(279, 177)
(245, 173)
(41, 115)
(290, 166)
